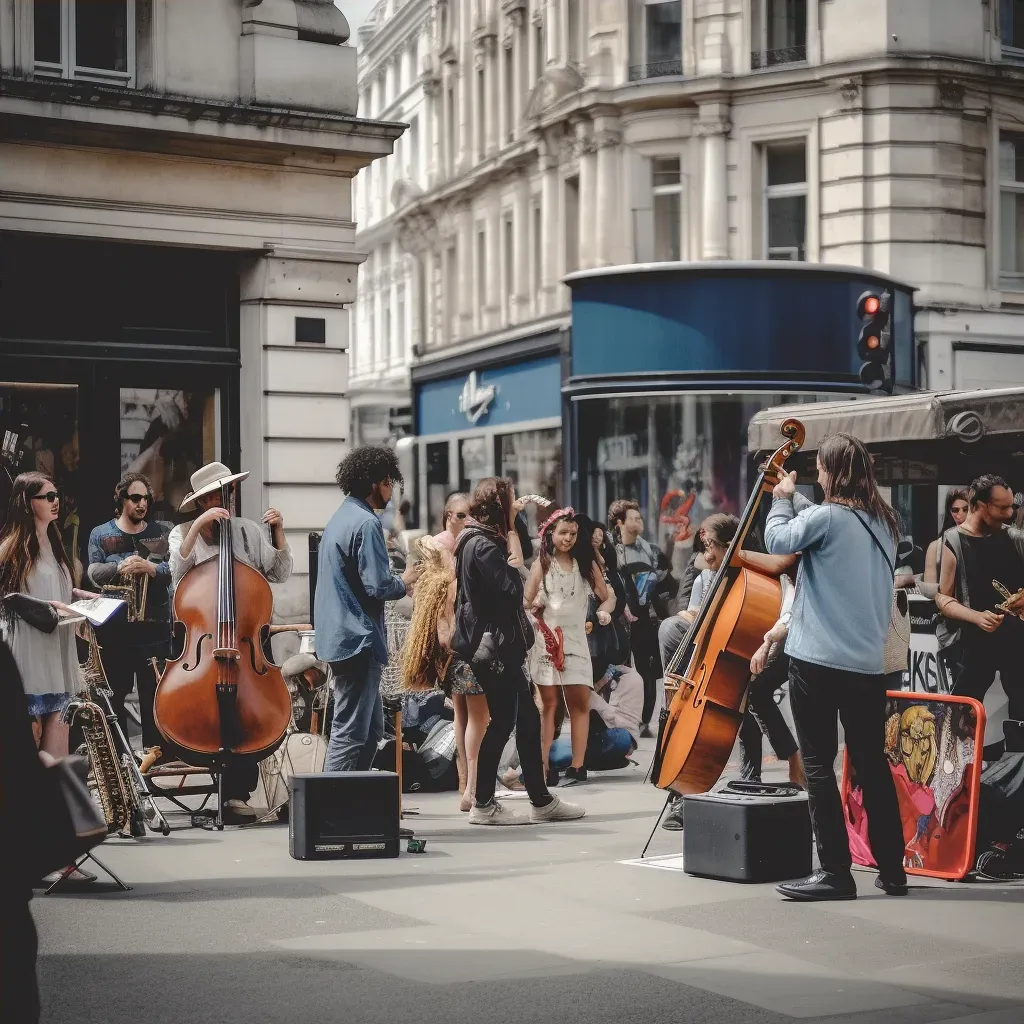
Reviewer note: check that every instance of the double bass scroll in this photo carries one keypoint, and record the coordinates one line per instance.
(699, 728)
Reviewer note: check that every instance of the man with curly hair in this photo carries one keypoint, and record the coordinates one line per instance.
(354, 580)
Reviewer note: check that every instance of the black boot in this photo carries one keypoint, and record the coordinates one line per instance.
(892, 887)
(822, 885)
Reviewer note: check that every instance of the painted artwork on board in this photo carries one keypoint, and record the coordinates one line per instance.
(934, 748)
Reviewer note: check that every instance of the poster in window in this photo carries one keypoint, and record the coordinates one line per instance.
(167, 435)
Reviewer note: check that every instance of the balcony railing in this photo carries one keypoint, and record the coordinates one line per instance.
(656, 69)
(771, 58)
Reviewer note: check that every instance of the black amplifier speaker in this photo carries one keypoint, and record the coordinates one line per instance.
(343, 815)
(748, 832)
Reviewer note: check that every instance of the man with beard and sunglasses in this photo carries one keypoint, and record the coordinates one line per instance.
(122, 551)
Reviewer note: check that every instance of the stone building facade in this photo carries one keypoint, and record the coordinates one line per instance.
(177, 236)
(563, 135)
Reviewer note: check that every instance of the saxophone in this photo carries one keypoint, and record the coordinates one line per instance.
(126, 801)
(113, 786)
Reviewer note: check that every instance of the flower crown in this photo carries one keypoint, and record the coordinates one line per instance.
(563, 513)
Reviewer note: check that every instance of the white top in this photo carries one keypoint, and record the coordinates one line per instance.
(48, 662)
(250, 543)
(565, 595)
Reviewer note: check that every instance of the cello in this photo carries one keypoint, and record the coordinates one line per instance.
(699, 729)
(222, 699)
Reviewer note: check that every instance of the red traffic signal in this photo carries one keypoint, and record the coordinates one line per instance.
(874, 343)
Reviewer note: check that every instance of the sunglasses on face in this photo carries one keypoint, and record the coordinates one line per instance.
(460, 515)
(138, 499)
(48, 496)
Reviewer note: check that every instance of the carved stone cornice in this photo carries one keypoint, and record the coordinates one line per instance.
(515, 10)
(850, 90)
(703, 129)
(485, 38)
(448, 54)
(418, 233)
(606, 138)
(951, 93)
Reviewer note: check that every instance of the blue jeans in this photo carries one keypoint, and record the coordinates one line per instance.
(358, 723)
(615, 745)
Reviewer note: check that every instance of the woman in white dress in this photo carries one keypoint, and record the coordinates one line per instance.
(560, 584)
(33, 561)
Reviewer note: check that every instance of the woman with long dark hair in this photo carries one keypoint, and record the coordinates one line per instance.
(561, 581)
(836, 643)
(33, 561)
(493, 636)
(957, 507)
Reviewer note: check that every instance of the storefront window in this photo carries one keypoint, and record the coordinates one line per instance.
(39, 434)
(532, 460)
(437, 484)
(680, 457)
(473, 463)
(168, 435)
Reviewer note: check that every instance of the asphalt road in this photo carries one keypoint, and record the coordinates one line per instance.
(536, 923)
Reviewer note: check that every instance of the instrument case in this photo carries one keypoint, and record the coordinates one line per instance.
(748, 832)
(343, 815)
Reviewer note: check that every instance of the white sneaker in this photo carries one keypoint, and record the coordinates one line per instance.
(557, 810)
(496, 813)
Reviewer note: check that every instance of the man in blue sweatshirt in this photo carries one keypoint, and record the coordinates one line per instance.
(836, 643)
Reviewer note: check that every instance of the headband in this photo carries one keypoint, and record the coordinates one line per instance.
(563, 513)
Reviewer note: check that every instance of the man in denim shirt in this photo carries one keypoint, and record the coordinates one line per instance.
(354, 580)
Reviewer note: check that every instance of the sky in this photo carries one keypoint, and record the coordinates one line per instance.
(356, 12)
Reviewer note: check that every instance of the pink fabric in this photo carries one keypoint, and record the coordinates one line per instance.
(446, 540)
(857, 829)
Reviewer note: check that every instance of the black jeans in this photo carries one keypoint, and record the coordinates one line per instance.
(510, 704)
(816, 695)
(972, 673)
(643, 643)
(764, 716)
(126, 667)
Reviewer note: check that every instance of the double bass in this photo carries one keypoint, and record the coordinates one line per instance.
(222, 698)
(699, 728)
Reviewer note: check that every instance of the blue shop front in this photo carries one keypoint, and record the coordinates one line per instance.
(496, 412)
(669, 362)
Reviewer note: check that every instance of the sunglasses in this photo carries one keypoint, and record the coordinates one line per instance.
(460, 515)
(138, 499)
(48, 496)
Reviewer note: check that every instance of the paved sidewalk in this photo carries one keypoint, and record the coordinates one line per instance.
(550, 923)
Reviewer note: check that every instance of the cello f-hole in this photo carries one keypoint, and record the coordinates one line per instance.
(186, 667)
(252, 656)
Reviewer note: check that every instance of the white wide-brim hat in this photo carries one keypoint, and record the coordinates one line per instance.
(208, 479)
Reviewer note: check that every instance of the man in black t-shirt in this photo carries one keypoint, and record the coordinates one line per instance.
(981, 632)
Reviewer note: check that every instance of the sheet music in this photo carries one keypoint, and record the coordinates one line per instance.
(96, 609)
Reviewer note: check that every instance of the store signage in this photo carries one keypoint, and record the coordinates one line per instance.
(475, 401)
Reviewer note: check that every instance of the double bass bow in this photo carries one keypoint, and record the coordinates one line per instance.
(699, 729)
(222, 698)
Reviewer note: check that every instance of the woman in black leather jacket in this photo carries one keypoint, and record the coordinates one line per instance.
(493, 635)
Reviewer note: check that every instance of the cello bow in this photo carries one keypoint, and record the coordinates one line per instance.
(698, 730)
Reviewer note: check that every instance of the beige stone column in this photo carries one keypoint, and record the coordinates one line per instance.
(714, 185)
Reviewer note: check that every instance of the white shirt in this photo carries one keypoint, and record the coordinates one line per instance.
(250, 543)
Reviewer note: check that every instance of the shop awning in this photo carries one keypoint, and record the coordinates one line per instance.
(964, 416)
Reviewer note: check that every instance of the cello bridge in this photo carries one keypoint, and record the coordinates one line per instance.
(227, 654)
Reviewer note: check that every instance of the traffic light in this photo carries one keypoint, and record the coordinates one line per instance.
(874, 345)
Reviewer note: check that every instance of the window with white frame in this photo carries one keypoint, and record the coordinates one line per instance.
(537, 248)
(481, 269)
(86, 40)
(1011, 210)
(508, 70)
(449, 296)
(507, 263)
(451, 128)
(1011, 28)
(778, 32)
(667, 192)
(785, 200)
(400, 327)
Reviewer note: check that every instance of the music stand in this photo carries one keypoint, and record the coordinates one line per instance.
(65, 875)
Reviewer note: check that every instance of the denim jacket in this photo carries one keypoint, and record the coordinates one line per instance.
(354, 580)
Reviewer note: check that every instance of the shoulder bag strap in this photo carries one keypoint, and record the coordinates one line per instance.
(877, 542)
